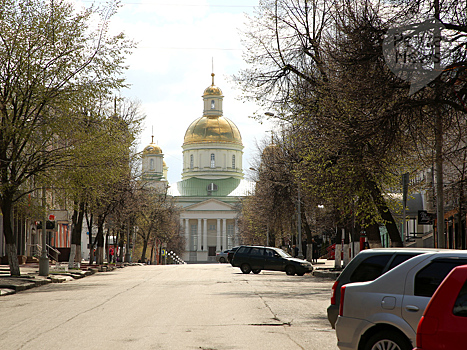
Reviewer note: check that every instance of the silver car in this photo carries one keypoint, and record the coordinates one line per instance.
(222, 256)
(383, 314)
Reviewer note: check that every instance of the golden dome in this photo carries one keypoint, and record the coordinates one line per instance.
(152, 149)
(212, 129)
(212, 89)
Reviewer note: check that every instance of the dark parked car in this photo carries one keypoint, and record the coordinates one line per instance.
(231, 254)
(257, 258)
(444, 322)
(366, 266)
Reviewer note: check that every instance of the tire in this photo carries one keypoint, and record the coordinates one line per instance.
(387, 340)
(300, 274)
(246, 269)
(256, 271)
(290, 270)
(222, 260)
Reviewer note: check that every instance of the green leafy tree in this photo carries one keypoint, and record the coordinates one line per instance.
(49, 55)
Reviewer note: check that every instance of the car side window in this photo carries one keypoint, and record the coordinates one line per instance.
(370, 268)
(460, 306)
(430, 277)
(256, 251)
(400, 258)
(243, 250)
(269, 253)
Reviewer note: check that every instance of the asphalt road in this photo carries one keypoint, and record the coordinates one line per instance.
(207, 307)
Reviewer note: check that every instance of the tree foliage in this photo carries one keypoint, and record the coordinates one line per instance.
(52, 58)
(353, 124)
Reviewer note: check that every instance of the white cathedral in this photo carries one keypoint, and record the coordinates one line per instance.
(212, 180)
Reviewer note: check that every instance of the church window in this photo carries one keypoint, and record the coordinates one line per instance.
(151, 164)
(213, 104)
(213, 160)
(233, 162)
(191, 161)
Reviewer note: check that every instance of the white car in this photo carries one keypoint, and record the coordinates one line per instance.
(383, 314)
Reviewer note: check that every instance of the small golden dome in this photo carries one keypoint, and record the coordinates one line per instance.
(152, 149)
(212, 129)
(212, 89)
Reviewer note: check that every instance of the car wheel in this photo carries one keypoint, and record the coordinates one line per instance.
(290, 270)
(387, 340)
(300, 274)
(222, 260)
(256, 271)
(246, 269)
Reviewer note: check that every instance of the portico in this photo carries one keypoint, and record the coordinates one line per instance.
(210, 227)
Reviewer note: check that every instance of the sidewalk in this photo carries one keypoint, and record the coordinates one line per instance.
(325, 268)
(57, 274)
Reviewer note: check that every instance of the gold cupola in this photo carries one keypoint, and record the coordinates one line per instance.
(209, 129)
(212, 89)
(152, 148)
(212, 127)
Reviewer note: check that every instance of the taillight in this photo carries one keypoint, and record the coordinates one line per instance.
(333, 296)
(341, 305)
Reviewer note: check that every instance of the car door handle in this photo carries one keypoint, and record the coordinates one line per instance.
(412, 308)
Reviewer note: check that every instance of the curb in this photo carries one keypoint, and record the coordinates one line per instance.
(11, 285)
(326, 273)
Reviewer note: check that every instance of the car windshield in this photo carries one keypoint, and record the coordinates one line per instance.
(283, 253)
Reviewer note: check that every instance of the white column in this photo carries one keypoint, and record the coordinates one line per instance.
(199, 234)
(224, 232)
(218, 241)
(205, 234)
(187, 235)
(236, 232)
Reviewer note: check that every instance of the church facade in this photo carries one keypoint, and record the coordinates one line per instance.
(212, 180)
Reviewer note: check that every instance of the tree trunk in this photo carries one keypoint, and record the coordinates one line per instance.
(89, 222)
(77, 222)
(10, 240)
(100, 239)
(385, 213)
(145, 247)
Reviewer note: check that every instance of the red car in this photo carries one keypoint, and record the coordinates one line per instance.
(444, 322)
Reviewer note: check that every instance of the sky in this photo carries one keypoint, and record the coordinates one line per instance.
(180, 43)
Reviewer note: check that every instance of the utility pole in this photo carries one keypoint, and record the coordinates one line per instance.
(439, 140)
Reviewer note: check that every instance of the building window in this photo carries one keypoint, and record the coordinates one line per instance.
(151, 164)
(213, 104)
(212, 227)
(213, 160)
(191, 161)
(233, 162)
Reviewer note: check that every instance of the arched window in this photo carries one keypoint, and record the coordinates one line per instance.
(233, 162)
(191, 161)
(213, 104)
(151, 164)
(213, 160)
